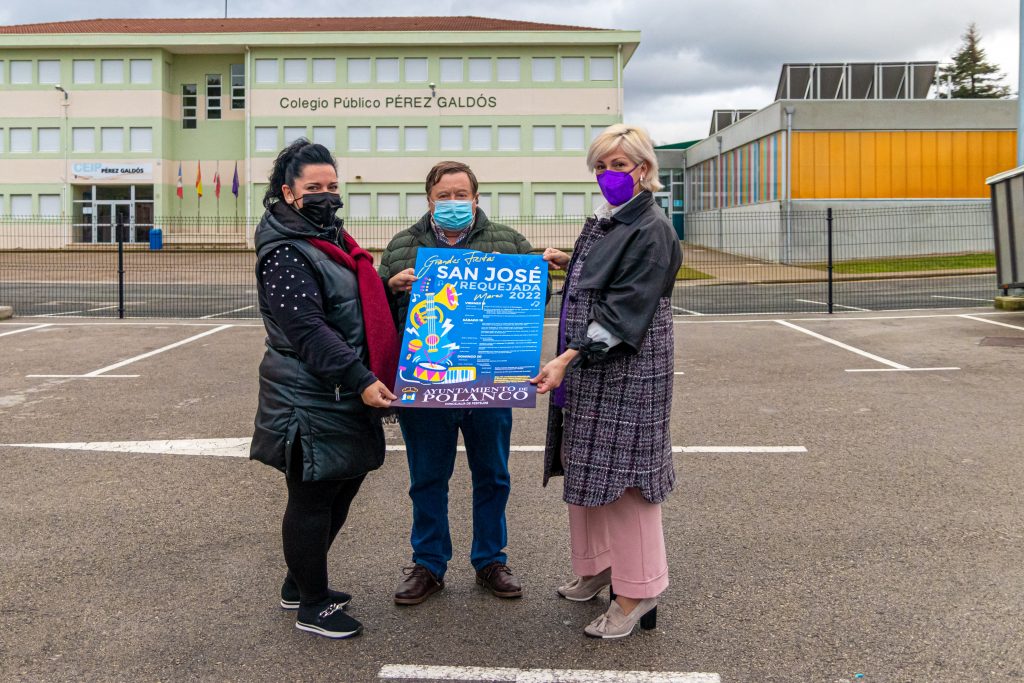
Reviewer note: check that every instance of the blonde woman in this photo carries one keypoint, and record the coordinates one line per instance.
(608, 422)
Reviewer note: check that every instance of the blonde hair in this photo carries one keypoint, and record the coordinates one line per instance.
(635, 143)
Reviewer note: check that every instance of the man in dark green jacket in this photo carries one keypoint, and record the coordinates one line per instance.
(454, 220)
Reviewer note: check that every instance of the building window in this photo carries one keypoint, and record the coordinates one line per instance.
(1, 82)
(451, 138)
(480, 138)
(21, 74)
(112, 70)
(140, 70)
(388, 206)
(387, 70)
(416, 139)
(479, 69)
(293, 133)
(49, 139)
(359, 70)
(416, 69)
(451, 69)
(359, 206)
(83, 140)
(596, 200)
(508, 69)
(83, 71)
(572, 137)
(111, 139)
(484, 202)
(508, 138)
(49, 205)
(324, 135)
(572, 204)
(1, 139)
(49, 71)
(21, 205)
(213, 96)
(387, 139)
(140, 139)
(189, 105)
(238, 86)
(572, 69)
(295, 71)
(415, 204)
(266, 71)
(602, 69)
(544, 69)
(359, 139)
(325, 71)
(544, 138)
(266, 139)
(21, 140)
(508, 204)
(544, 204)
(595, 131)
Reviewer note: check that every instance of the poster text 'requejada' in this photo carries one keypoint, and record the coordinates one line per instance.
(473, 332)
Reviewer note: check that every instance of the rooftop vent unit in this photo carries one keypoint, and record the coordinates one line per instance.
(721, 118)
(857, 81)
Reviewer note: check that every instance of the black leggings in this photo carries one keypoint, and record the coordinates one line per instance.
(314, 515)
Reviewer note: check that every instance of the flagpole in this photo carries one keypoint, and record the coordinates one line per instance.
(216, 189)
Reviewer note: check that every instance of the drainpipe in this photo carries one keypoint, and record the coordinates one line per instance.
(719, 194)
(1020, 89)
(789, 177)
(249, 241)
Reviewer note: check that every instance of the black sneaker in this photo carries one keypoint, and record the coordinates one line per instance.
(290, 595)
(329, 620)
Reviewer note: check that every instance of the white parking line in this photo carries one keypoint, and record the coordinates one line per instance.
(26, 329)
(835, 305)
(478, 673)
(238, 447)
(893, 366)
(236, 310)
(686, 310)
(991, 322)
(960, 298)
(87, 310)
(101, 373)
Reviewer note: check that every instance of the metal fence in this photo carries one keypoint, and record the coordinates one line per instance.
(757, 261)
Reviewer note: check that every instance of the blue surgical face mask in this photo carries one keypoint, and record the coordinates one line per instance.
(454, 214)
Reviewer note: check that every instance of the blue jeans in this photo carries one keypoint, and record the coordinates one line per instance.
(431, 436)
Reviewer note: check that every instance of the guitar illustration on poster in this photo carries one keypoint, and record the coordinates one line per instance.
(473, 332)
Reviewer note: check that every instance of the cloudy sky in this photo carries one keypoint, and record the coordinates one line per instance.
(694, 56)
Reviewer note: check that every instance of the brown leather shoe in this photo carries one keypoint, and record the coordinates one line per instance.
(418, 585)
(498, 578)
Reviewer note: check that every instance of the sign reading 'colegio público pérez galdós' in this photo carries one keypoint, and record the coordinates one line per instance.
(389, 102)
(473, 332)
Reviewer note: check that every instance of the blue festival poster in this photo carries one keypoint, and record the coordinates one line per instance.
(474, 330)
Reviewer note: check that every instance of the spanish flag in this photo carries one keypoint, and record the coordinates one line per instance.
(199, 179)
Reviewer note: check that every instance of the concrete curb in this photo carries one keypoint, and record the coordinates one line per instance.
(1010, 303)
(6, 312)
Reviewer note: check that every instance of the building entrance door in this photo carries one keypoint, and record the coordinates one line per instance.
(108, 216)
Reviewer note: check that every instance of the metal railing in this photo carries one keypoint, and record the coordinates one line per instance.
(735, 261)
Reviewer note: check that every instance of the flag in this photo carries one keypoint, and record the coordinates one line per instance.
(234, 182)
(181, 192)
(199, 179)
(216, 183)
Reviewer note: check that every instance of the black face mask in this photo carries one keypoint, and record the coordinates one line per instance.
(320, 207)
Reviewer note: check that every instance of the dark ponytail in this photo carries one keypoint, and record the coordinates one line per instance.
(289, 164)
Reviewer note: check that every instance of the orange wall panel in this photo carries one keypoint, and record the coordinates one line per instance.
(899, 164)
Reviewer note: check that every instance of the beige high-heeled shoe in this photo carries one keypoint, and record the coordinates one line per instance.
(615, 624)
(581, 590)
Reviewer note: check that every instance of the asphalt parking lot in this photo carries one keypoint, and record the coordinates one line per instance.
(849, 503)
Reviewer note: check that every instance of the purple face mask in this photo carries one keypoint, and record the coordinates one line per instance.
(616, 186)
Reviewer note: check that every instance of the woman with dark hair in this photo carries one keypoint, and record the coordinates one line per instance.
(328, 369)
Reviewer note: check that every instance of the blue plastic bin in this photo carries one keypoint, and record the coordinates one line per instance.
(156, 239)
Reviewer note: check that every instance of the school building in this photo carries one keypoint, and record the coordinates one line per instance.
(104, 120)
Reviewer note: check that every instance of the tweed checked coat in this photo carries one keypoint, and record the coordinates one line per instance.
(613, 432)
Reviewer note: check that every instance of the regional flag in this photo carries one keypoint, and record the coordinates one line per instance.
(199, 179)
(216, 183)
(181, 192)
(234, 182)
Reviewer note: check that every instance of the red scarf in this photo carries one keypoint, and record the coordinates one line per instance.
(381, 338)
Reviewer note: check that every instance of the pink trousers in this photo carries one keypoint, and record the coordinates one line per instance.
(625, 535)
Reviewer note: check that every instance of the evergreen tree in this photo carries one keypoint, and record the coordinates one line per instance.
(971, 75)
